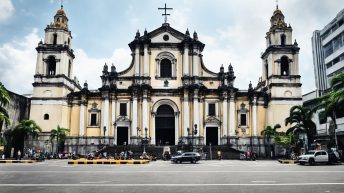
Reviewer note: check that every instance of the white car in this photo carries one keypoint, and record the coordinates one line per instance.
(314, 156)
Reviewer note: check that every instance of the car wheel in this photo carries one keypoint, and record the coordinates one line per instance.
(311, 162)
(179, 162)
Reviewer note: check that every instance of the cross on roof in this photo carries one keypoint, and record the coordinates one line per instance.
(165, 14)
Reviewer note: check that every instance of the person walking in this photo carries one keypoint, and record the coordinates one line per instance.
(18, 155)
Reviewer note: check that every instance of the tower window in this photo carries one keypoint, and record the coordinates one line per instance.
(211, 109)
(123, 109)
(284, 66)
(46, 116)
(243, 119)
(68, 41)
(165, 68)
(55, 39)
(282, 40)
(69, 68)
(266, 69)
(51, 65)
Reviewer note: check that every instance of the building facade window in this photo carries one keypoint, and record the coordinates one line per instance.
(243, 116)
(46, 116)
(166, 66)
(211, 109)
(51, 70)
(55, 39)
(123, 109)
(283, 38)
(285, 66)
(94, 116)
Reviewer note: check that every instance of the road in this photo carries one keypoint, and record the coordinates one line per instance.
(56, 176)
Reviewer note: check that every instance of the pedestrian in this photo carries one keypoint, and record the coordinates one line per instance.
(219, 156)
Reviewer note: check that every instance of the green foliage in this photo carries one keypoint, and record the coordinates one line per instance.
(4, 99)
(60, 134)
(284, 139)
(26, 128)
(300, 119)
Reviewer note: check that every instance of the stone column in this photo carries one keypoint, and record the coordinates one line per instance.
(195, 62)
(195, 114)
(137, 61)
(105, 117)
(145, 61)
(186, 60)
(225, 116)
(176, 127)
(113, 117)
(254, 116)
(186, 112)
(82, 119)
(232, 115)
(134, 118)
(144, 113)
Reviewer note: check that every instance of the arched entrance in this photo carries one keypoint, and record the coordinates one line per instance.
(165, 125)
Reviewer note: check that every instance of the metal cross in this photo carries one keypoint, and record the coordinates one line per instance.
(165, 14)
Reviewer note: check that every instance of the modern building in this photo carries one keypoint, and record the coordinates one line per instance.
(328, 59)
(166, 95)
(328, 52)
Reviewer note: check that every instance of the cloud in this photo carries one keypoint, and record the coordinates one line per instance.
(17, 63)
(90, 69)
(6, 10)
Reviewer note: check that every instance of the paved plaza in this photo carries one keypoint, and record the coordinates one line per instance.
(56, 176)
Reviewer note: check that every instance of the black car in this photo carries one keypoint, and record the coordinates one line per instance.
(186, 157)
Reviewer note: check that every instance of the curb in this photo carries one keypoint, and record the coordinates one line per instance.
(288, 161)
(105, 161)
(17, 161)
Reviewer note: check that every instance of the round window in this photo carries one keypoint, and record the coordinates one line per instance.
(166, 37)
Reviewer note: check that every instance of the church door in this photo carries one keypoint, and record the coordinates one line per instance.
(165, 126)
(212, 135)
(122, 135)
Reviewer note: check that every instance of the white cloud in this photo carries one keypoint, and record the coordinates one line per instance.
(6, 10)
(17, 63)
(90, 69)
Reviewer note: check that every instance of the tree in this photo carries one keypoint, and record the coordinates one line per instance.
(285, 140)
(300, 119)
(333, 102)
(268, 133)
(21, 132)
(60, 134)
(4, 99)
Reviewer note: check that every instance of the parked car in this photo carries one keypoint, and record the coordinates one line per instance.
(192, 157)
(315, 156)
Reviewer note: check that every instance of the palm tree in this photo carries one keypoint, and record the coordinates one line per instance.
(25, 129)
(300, 119)
(60, 134)
(268, 133)
(333, 102)
(4, 99)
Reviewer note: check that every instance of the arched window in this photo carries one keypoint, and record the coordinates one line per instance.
(46, 116)
(68, 41)
(266, 70)
(55, 39)
(165, 68)
(51, 65)
(285, 66)
(282, 40)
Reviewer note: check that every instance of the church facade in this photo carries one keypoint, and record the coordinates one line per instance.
(166, 96)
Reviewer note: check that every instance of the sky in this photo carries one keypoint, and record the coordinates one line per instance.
(233, 31)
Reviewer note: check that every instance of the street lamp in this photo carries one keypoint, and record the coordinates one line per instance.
(145, 140)
(104, 129)
(193, 132)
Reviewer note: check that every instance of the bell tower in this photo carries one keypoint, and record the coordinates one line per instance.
(53, 78)
(280, 69)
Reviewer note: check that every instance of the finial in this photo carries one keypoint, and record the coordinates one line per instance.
(85, 85)
(137, 34)
(113, 68)
(145, 32)
(61, 4)
(295, 43)
(276, 4)
(195, 36)
(187, 32)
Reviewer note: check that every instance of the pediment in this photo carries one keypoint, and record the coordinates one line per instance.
(165, 37)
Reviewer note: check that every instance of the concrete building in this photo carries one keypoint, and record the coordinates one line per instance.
(166, 94)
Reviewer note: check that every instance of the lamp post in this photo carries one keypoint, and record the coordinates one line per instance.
(193, 132)
(104, 129)
(145, 140)
(137, 134)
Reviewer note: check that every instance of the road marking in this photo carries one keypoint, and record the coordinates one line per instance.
(263, 181)
(96, 182)
(168, 171)
(168, 185)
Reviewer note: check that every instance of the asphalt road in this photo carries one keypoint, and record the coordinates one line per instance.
(56, 176)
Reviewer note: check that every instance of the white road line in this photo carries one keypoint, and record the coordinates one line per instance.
(168, 171)
(263, 181)
(168, 185)
(95, 182)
